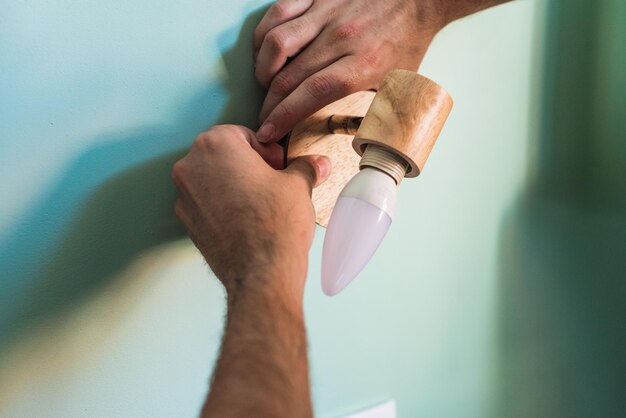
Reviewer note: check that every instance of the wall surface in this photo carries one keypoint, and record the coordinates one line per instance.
(106, 310)
(561, 285)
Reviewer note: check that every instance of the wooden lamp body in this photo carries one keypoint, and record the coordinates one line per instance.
(405, 117)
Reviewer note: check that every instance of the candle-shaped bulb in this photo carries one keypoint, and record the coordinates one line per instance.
(361, 218)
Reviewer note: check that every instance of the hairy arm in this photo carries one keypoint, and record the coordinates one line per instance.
(262, 369)
(451, 10)
(254, 225)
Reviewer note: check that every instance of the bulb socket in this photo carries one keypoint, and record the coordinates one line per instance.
(384, 160)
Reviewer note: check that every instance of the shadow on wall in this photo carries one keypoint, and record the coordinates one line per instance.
(562, 313)
(112, 204)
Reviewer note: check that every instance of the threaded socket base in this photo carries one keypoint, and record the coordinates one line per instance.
(384, 160)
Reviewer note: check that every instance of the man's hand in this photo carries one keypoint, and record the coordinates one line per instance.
(250, 221)
(309, 53)
(254, 225)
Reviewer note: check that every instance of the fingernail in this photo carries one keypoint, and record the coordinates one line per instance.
(324, 165)
(265, 132)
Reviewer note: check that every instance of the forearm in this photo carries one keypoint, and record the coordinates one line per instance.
(262, 369)
(451, 10)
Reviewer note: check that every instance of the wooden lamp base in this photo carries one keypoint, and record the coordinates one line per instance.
(312, 137)
(403, 119)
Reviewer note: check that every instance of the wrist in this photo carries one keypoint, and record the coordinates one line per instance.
(450, 10)
(433, 15)
(280, 286)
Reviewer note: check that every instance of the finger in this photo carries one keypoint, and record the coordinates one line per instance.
(240, 132)
(329, 46)
(273, 154)
(283, 42)
(313, 169)
(282, 11)
(346, 76)
(219, 137)
(311, 60)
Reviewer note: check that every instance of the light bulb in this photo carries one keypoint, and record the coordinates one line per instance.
(361, 218)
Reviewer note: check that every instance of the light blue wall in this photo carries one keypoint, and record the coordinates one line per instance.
(106, 310)
(561, 286)
(95, 98)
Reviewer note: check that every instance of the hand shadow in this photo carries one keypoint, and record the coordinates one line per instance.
(114, 202)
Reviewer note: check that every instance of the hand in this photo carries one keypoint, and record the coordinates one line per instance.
(310, 53)
(253, 224)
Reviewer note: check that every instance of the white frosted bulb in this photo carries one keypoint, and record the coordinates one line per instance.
(357, 226)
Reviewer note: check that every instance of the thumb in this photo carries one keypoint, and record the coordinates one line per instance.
(314, 169)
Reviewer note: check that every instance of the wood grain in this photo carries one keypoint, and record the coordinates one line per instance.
(407, 116)
(311, 137)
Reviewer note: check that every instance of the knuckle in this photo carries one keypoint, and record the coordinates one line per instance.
(280, 10)
(202, 136)
(345, 32)
(202, 139)
(206, 141)
(350, 82)
(179, 173)
(276, 40)
(221, 135)
(282, 84)
(320, 86)
(225, 130)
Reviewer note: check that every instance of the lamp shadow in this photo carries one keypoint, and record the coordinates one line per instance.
(114, 202)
